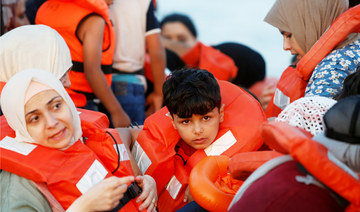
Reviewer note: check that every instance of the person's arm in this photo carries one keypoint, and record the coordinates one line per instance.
(158, 65)
(346, 153)
(20, 194)
(91, 34)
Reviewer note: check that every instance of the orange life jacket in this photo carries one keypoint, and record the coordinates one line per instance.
(206, 57)
(316, 159)
(293, 81)
(71, 172)
(65, 17)
(155, 153)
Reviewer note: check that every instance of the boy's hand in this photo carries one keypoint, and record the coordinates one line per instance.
(149, 194)
(187, 197)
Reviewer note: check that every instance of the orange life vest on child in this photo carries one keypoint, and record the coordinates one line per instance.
(155, 153)
(71, 172)
(316, 159)
(206, 57)
(65, 17)
(293, 81)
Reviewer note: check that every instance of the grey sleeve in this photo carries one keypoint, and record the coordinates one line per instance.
(20, 195)
(346, 153)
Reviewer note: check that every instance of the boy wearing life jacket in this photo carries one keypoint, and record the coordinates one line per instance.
(202, 117)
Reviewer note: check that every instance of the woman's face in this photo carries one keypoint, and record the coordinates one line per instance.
(176, 31)
(65, 79)
(49, 120)
(291, 45)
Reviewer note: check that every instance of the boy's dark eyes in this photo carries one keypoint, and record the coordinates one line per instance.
(185, 121)
(206, 117)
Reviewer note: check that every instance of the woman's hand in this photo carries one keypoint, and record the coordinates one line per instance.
(149, 194)
(103, 196)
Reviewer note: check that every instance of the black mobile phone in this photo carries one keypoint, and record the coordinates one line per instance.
(132, 192)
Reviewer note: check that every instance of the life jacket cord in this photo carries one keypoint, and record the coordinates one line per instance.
(117, 150)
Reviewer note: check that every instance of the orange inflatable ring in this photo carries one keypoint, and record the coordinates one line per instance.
(203, 177)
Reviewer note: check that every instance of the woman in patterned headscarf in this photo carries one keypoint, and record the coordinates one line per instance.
(302, 23)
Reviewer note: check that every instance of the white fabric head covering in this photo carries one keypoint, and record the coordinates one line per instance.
(33, 46)
(13, 108)
(307, 113)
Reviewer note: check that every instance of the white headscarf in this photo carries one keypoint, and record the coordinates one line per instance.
(33, 46)
(14, 108)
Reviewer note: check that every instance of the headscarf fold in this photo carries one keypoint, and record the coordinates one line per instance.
(307, 20)
(33, 46)
(14, 108)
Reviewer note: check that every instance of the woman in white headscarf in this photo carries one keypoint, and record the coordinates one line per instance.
(30, 46)
(302, 23)
(43, 114)
(34, 46)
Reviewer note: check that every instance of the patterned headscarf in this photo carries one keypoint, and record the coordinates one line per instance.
(307, 20)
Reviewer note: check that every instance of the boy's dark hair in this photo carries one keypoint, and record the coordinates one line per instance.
(177, 17)
(191, 91)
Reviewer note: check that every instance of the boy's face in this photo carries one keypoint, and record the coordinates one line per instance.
(199, 131)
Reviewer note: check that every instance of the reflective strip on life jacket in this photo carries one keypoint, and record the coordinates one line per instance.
(141, 157)
(221, 144)
(173, 187)
(21, 148)
(93, 175)
(124, 156)
(280, 99)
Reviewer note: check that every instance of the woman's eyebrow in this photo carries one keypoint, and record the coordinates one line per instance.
(49, 102)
